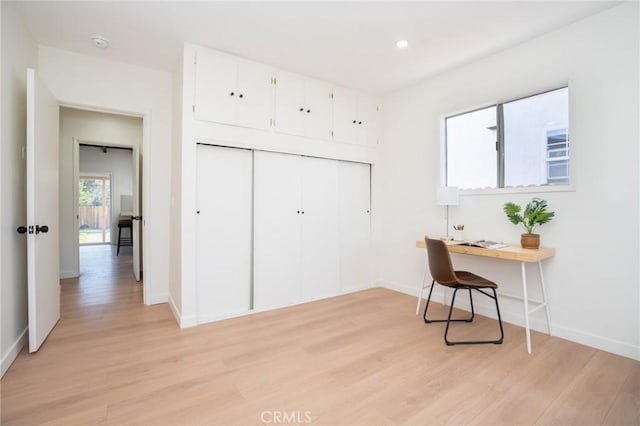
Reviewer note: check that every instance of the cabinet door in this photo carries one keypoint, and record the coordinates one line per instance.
(290, 108)
(215, 86)
(254, 107)
(367, 120)
(277, 230)
(355, 225)
(345, 115)
(320, 239)
(223, 239)
(317, 109)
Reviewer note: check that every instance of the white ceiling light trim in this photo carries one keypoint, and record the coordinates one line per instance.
(402, 44)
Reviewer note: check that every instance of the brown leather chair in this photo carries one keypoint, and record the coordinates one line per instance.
(442, 273)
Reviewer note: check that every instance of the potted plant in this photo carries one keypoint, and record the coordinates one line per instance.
(534, 215)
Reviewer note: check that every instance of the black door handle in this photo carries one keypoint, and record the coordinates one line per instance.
(136, 217)
(21, 230)
(44, 229)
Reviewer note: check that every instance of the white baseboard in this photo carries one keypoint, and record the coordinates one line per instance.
(517, 318)
(13, 352)
(67, 274)
(154, 299)
(603, 343)
(183, 321)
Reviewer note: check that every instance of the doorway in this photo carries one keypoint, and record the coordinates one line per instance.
(94, 210)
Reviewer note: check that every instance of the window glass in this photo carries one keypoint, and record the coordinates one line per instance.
(535, 133)
(471, 149)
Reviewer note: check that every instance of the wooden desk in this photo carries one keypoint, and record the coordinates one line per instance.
(512, 253)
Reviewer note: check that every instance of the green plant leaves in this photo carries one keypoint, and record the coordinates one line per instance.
(534, 215)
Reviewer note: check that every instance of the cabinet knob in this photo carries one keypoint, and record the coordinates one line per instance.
(231, 93)
(308, 111)
(301, 109)
(354, 121)
(298, 211)
(359, 122)
(241, 95)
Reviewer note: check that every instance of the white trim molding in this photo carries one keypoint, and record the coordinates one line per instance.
(13, 352)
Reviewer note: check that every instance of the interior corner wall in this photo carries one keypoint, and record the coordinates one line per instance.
(19, 52)
(95, 83)
(593, 280)
(175, 287)
(87, 126)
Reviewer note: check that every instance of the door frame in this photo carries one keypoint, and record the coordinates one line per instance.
(76, 209)
(144, 182)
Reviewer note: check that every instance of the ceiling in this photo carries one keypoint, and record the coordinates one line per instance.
(348, 43)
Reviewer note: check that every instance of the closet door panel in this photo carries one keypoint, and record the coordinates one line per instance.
(318, 109)
(367, 121)
(277, 234)
(224, 223)
(255, 96)
(320, 239)
(216, 78)
(345, 112)
(290, 108)
(355, 225)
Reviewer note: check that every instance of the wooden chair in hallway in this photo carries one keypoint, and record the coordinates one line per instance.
(127, 239)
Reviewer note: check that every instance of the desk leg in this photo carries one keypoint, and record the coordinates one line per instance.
(526, 305)
(424, 277)
(544, 296)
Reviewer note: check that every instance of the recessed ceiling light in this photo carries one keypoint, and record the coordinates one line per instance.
(402, 44)
(100, 41)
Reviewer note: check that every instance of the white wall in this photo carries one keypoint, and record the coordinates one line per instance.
(18, 52)
(593, 280)
(175, 295)
(88, 126)
(83, 81)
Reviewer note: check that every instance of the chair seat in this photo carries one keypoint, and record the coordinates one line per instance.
(472, 280)
(124, 223)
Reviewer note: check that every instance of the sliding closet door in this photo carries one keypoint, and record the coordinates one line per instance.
(320, 239)
(355, 225)
(277, 232)
(224, 226)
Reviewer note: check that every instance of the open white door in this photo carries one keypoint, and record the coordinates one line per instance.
(43, 267)
(136, 223)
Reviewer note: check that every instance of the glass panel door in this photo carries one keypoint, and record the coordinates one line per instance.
(94, 210)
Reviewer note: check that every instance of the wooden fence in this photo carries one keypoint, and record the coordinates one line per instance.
(94, 217)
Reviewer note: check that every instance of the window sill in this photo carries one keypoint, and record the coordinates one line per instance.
(518, 190)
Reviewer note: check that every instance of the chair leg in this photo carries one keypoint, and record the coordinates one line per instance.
(428, 321)
(474, 342)
(119, 238)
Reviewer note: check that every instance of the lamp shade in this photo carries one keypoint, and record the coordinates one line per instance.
(448, 196)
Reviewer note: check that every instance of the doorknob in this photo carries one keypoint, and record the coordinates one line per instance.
(22, 230)
(44, 229)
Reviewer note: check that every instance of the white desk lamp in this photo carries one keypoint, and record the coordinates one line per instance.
(448, 196)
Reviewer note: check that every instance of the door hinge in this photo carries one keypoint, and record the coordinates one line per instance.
(195, 59)
(332, 133)
(275, 82)
(377, 108)
(330, 95)
(194, 108)
(31, 229)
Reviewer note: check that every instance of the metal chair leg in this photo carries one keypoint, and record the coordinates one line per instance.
(474, 342)
(428, 321)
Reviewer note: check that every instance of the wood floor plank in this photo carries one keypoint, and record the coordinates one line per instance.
(359, 359)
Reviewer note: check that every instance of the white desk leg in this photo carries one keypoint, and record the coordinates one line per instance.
(424, 277)
(526, 305)
(544, 296)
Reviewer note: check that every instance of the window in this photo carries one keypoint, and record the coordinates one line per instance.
(524, 142)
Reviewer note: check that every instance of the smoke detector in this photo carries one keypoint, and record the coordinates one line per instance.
(100, 41)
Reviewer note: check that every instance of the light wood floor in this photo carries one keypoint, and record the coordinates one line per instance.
(363, 358)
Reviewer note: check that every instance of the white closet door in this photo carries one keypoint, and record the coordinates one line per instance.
(345, 115)
(216, 93)
(355, 225)
(277, 222)
(224, 198)
(317, 110)
(320, 239)
(255, 96)
(367, 121)
(290, 107)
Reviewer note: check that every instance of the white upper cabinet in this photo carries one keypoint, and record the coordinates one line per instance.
(233, 91)
(303, 106)
(355, 117)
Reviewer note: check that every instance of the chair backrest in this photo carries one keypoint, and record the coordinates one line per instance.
(440, 262)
